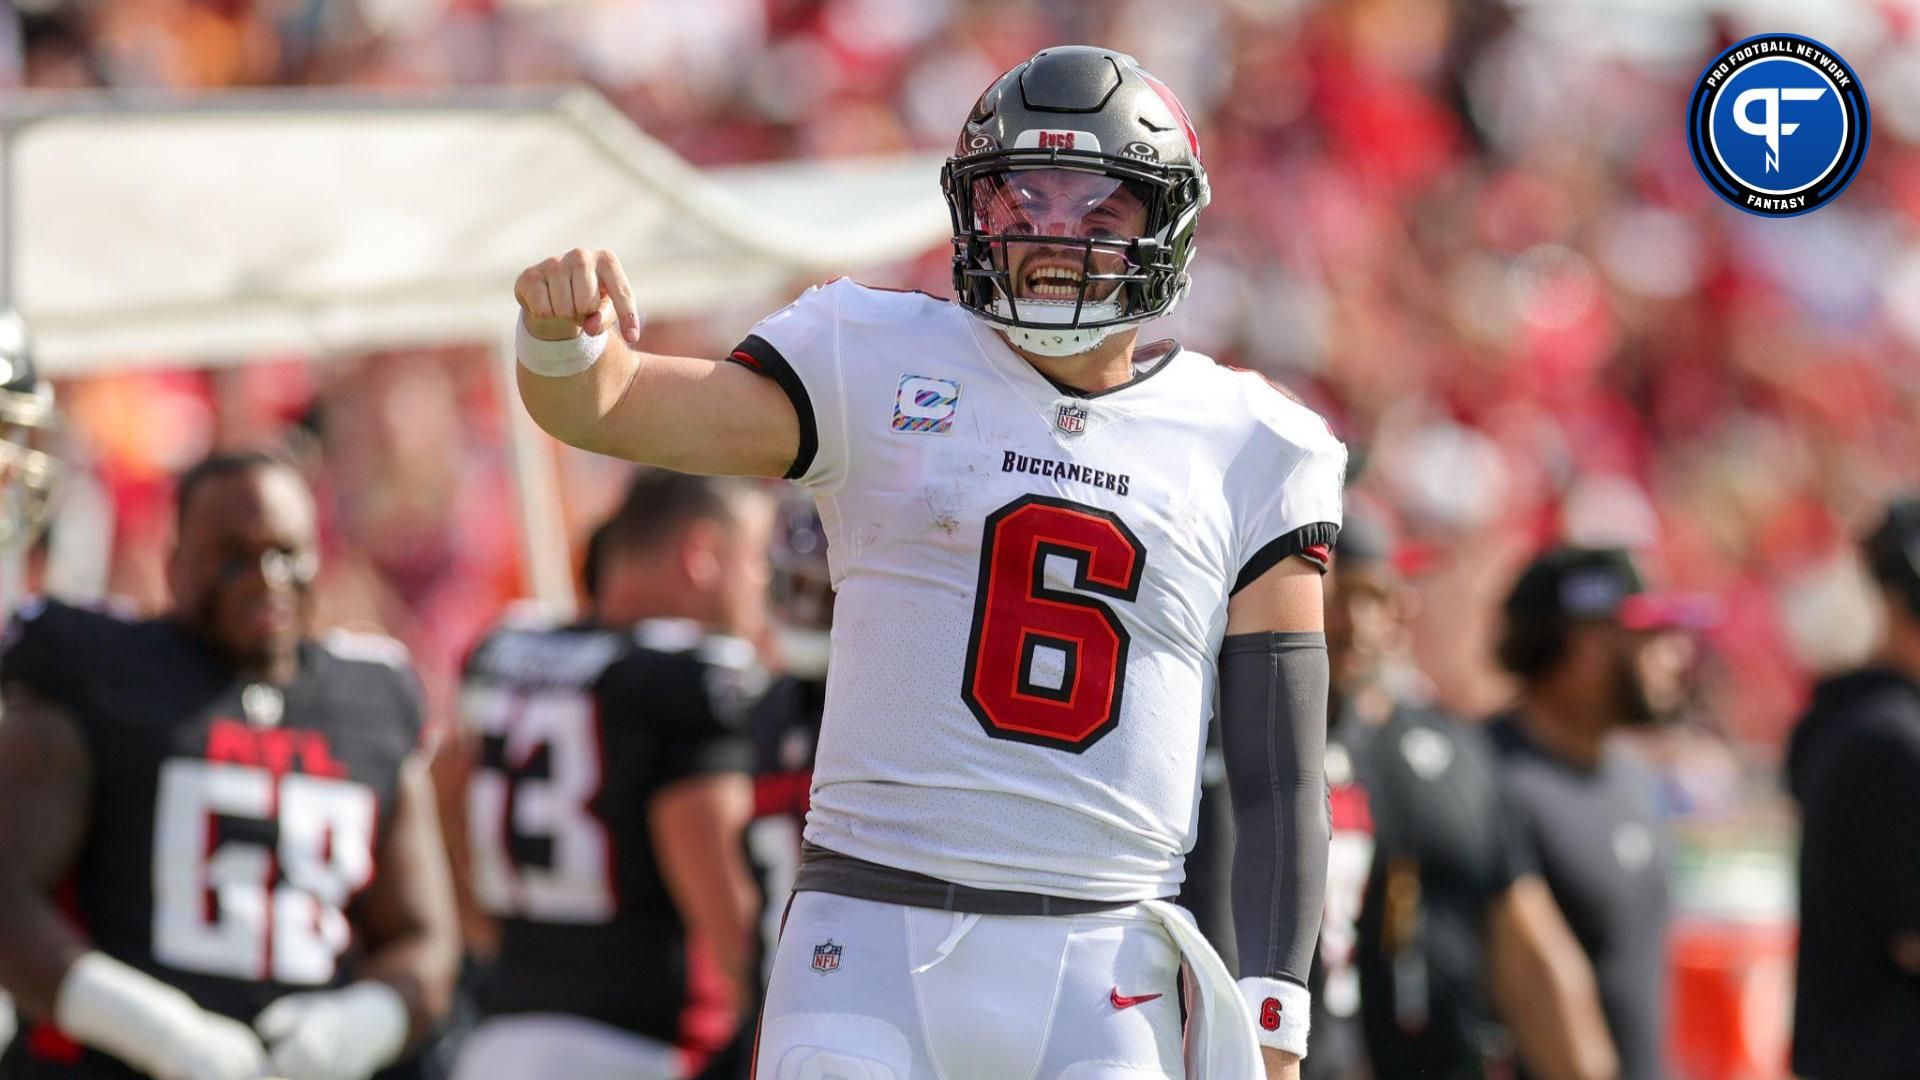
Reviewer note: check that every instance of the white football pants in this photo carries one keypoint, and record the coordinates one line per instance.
(870, 991)
(551, 1046)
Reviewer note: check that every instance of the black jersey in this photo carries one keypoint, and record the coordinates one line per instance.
(1446, 848)
(785, 730)
(1854, 764)
(1604, 851)
(579, 729)
(1338, 1051)
(232, 825)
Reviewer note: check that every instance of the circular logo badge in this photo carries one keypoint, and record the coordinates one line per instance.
(1778, 125)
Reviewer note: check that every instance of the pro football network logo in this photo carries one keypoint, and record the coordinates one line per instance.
(1778, 125)
(826, 957)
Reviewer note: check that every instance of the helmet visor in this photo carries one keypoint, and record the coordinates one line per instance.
(1060, 235)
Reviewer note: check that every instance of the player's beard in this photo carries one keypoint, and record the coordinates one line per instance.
(1631, 701)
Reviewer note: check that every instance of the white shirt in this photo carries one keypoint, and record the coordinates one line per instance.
(1032, 587)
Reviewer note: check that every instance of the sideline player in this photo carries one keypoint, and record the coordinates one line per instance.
(30, 475)
(1595, 653)
(232, 813)
(1050, 547)
(1438, 921)
(610, 794)
(1854, 765)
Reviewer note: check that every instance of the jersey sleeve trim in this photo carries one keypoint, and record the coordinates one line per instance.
(757, 354)
(1312, 542)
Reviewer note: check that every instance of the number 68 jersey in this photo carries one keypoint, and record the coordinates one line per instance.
(1032, 586)
(232, 824)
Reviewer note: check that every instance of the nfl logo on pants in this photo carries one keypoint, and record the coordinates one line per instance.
(826, 958)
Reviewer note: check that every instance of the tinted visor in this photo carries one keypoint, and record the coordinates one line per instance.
(1061, 234)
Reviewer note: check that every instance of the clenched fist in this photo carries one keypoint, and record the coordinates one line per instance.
(579, 291)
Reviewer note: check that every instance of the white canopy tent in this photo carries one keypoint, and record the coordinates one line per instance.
(217, 229)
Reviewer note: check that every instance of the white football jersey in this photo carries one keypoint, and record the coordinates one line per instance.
(1032, 586)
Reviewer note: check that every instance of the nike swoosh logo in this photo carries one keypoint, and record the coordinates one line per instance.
(1123, 1002)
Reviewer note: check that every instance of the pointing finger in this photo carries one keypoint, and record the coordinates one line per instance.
(613, 282)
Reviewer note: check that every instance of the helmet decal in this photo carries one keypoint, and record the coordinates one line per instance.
(1173, 105)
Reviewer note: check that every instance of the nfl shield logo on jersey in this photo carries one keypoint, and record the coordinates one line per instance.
(826, 958)
(1071, 419)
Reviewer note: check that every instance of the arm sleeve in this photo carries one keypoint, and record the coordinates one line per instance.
(1273, 717)
(798, 347)
(1300, 517)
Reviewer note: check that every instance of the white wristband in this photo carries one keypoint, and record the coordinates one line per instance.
(376, 1014)
(557, 359)
(1282, 1013)
(128, 1013)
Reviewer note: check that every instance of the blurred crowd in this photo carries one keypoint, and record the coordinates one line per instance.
(1467, 231)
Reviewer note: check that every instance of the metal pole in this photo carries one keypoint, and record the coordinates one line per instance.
(544, 555)
(9, 197)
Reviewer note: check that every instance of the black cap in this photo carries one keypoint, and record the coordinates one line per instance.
(1578, 584)
(1893, 547)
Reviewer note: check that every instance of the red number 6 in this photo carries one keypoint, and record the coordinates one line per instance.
(1015, 615)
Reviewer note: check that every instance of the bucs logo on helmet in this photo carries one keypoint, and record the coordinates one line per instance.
(1074, 191)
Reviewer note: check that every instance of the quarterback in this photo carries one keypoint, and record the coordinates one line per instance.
(1058, 553)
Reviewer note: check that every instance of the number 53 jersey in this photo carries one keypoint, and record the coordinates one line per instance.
(1032, 586)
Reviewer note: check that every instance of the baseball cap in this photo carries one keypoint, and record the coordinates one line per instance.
(1579, 584)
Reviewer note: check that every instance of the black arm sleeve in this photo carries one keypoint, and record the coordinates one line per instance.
(1273, 728)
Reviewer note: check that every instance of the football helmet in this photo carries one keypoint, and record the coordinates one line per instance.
(1074, 192)
(29, 429)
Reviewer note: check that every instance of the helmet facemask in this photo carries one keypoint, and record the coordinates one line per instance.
(30, 470)
(1062, 250)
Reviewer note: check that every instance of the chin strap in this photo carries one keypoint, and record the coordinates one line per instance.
(1037, 335)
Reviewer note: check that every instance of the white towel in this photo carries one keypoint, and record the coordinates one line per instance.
(1220, 1040)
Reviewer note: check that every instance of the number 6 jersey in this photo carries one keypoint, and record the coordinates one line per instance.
(1032, 586)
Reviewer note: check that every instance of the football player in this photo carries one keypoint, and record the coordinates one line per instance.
(1437, 920)
(219, 857)
(30, 473)
(1594, 653)
(1052, 545)
(610, 793)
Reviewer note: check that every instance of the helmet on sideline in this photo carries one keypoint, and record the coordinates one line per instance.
(30, 470)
